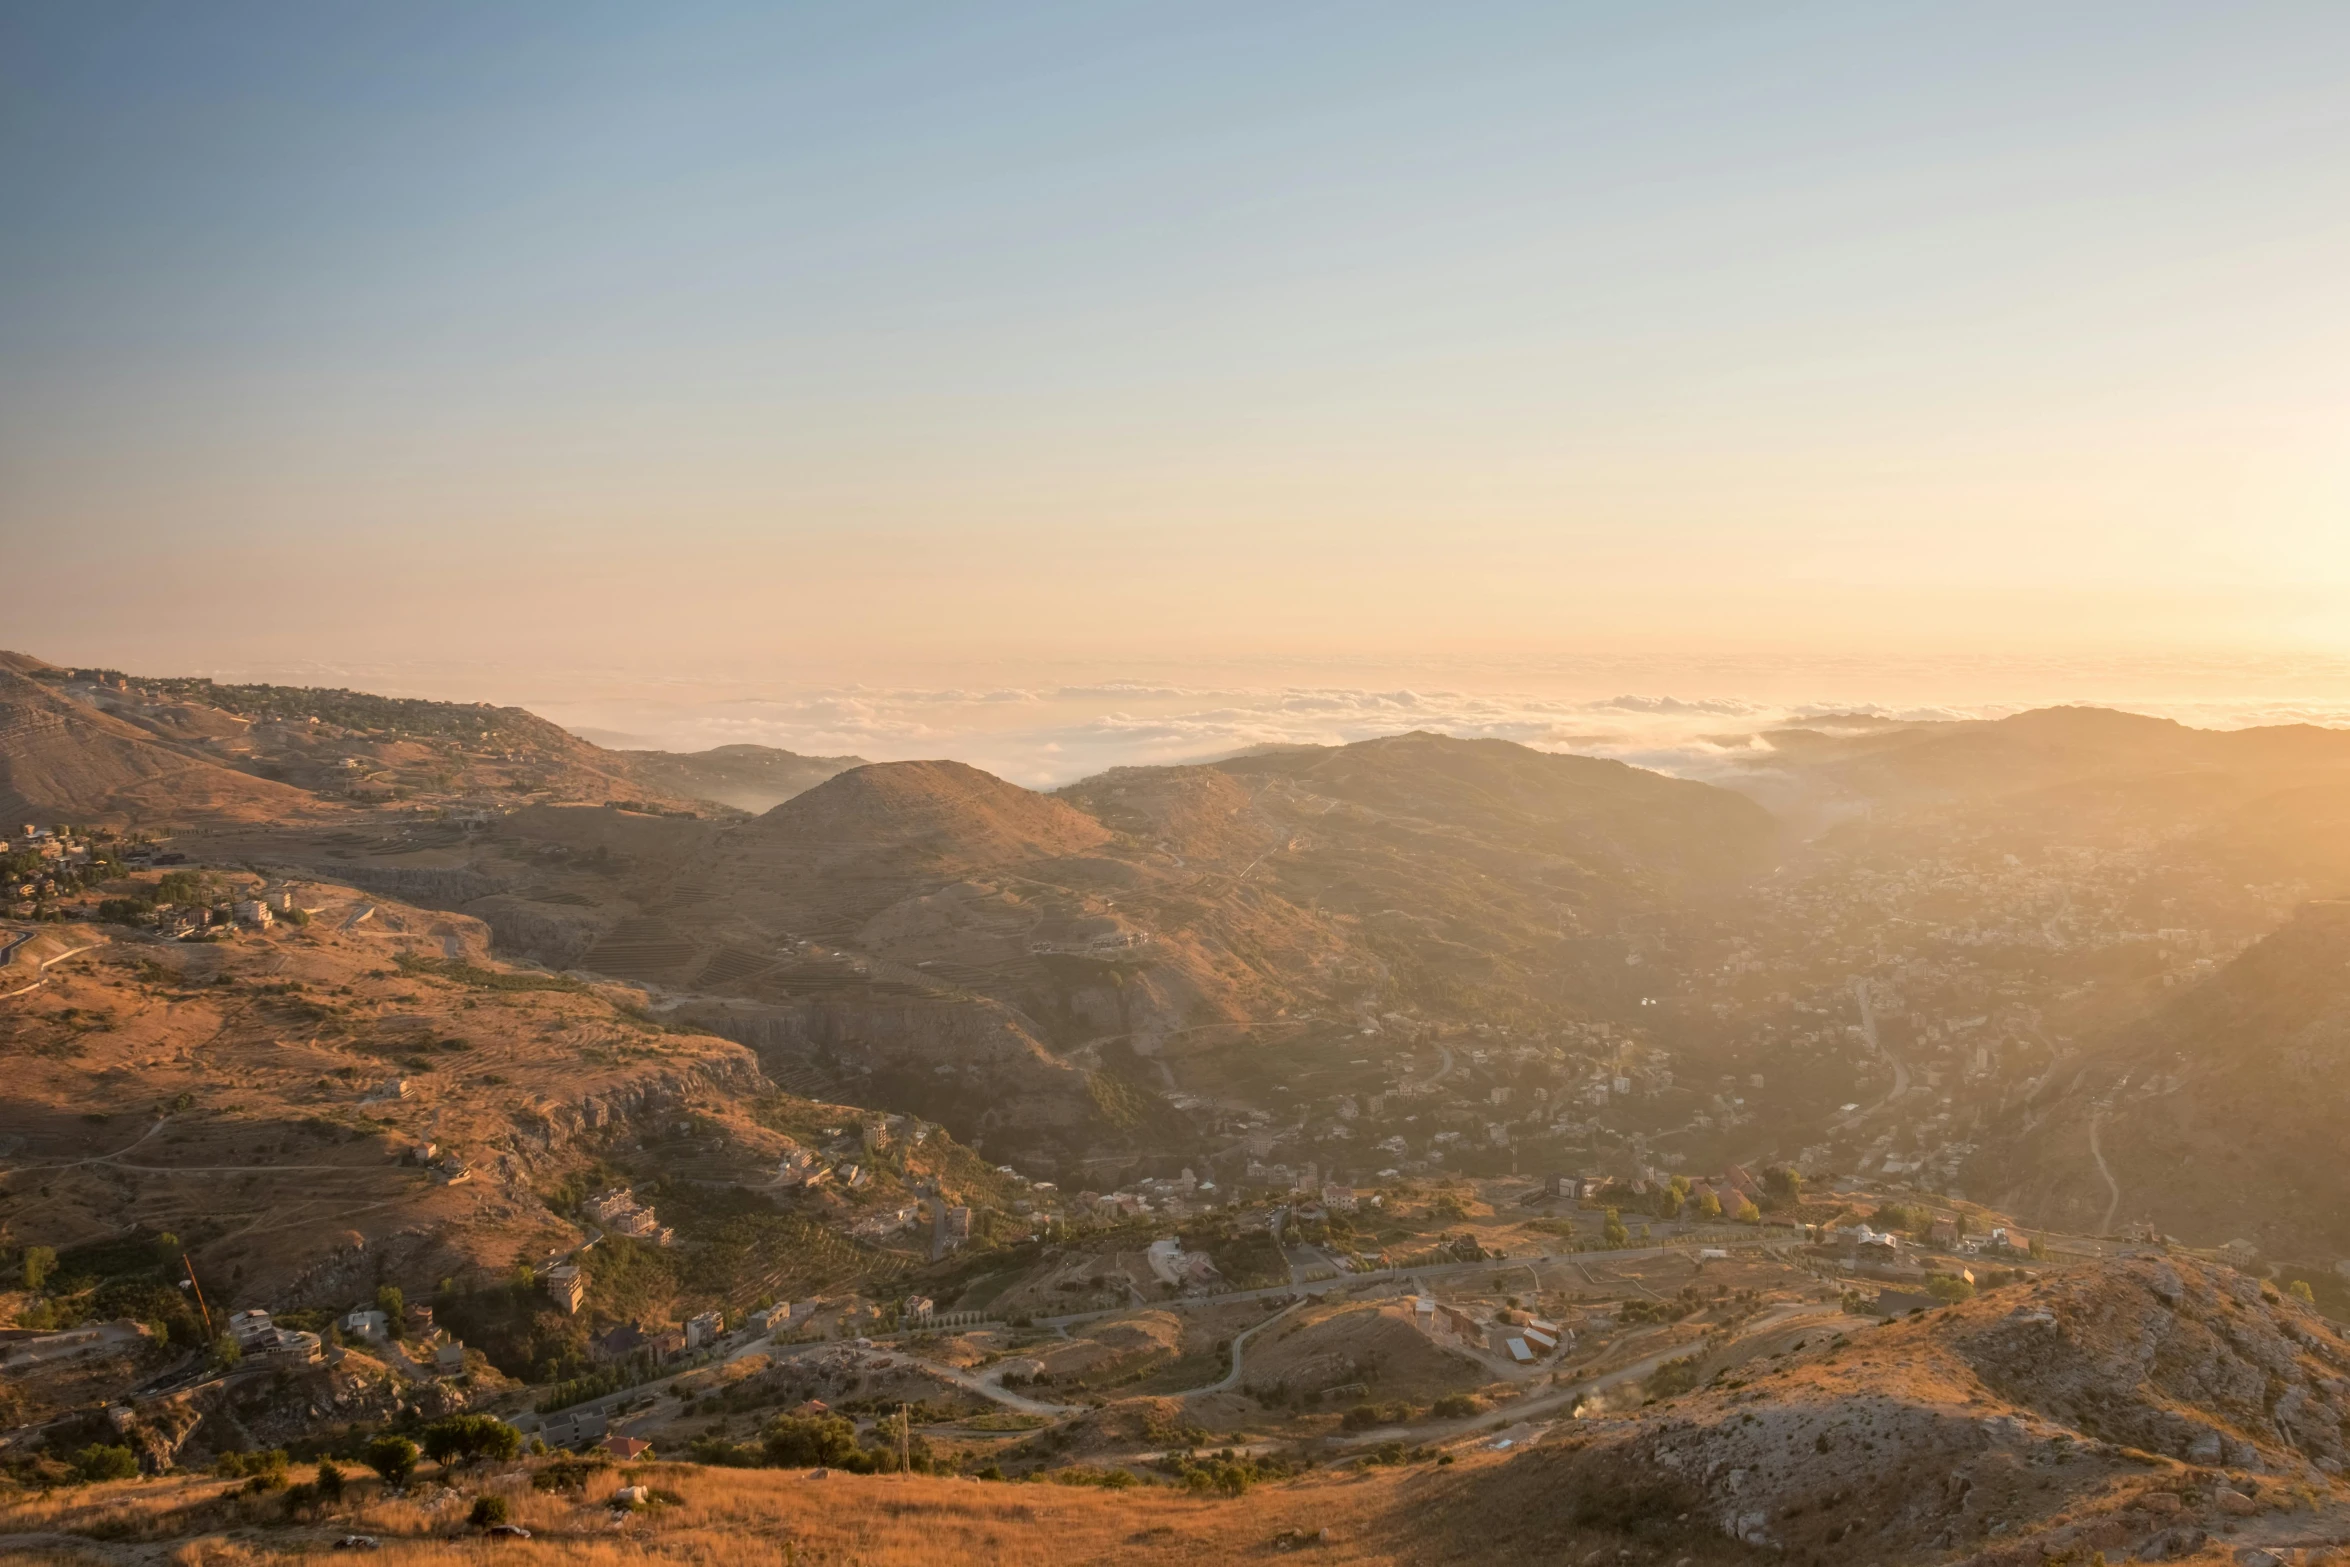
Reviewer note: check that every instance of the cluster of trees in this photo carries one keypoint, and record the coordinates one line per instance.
(133, 1276)
(820, 1442)
(1782, 1188)
(1364, 1416)
(104, 864)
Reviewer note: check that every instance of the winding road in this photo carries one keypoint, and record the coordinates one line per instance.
(2096, 1115)
(1231, 1379)
(1868, 1030)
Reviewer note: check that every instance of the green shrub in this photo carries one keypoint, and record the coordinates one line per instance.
(488, 1510)
(393, 1457)
(98, 1462)
(264, 1471)
(1456, 1406)
(569, 1474)
(809, 1442)
(1673, 1378)
(469, 1438)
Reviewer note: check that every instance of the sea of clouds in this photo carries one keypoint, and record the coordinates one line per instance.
(1046, 732)
(1048, 736)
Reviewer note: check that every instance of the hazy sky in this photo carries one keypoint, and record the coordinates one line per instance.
(876, 341)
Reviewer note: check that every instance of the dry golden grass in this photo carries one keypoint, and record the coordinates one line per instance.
(728, 1518)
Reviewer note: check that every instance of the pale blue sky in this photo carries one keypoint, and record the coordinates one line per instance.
(910, 334)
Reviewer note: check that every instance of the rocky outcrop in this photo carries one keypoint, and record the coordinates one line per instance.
(544, 1131)
(428, 886)
(557, 935)
(2125, 1407)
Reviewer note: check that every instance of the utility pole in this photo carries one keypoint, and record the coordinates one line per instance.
(199, 1290)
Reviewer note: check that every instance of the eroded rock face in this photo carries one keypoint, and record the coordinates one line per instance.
(2116, 1408)
(2175, 1359)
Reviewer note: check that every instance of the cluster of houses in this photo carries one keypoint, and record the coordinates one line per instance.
(258, 1338)
(1192, 1272)
(421, 1337)
(184, 921)
(619, 1213)
(1525, 1339)
(1161, 1197)
(44, 863)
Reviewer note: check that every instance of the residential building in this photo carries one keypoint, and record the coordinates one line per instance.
(570, 1427)
(566, 1287)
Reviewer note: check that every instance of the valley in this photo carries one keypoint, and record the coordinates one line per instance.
(1402, 1131)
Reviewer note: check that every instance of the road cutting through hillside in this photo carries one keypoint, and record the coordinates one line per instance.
(1575, 1392)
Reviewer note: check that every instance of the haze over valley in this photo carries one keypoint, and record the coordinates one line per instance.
(1041, 785)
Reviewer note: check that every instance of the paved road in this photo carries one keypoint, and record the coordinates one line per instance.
(1868, 1029)
(985, 1387)
(72, 1344)
(46, 963)
(1429, 1273)
(2098, 1153)
(1231, 1379)
(1574, 1393)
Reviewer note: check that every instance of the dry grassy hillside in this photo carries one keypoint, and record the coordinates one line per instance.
(62, 761)
(265, 1098)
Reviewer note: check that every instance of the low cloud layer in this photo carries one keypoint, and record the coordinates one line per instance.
(1050, 736)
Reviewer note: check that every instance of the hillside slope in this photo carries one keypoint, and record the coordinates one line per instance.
(2219, 1116)
(2264, 802)
(2147, 1411)
(751, 778)
(63, 761)
(2133, 1408)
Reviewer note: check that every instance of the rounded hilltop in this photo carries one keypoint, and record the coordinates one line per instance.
(940, 804)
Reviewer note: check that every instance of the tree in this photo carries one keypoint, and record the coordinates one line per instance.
(808, 1441)
(105, 1463)
(2302, 1292)
(167, 1249)
(1782, 1182)
(488, 1511)
(1949, 1286)
(394, 1306)
(330, 1481)
(469, 1438)
(1614, 1231)
(39, 1263)
(226, 1351)
(1747, 1212)
(393, 1457)
(1709, 1206)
